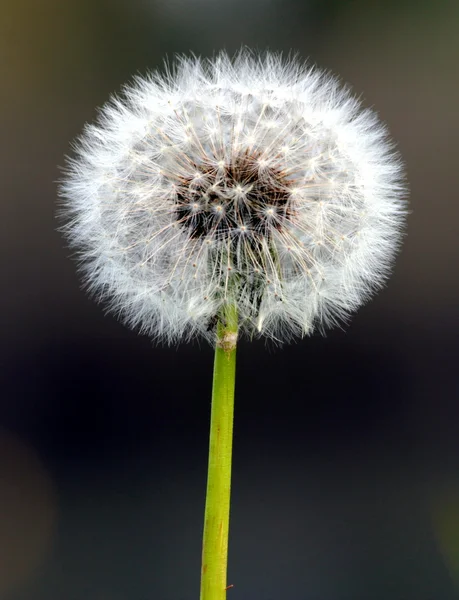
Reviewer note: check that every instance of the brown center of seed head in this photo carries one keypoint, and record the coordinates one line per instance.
(240, 197)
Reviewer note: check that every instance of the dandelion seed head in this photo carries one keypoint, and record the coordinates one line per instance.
(256, 181)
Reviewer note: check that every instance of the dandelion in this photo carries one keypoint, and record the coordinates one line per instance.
(258, 183)
(251, 196)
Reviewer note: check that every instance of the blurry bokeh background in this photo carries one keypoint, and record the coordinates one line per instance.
(346, 465)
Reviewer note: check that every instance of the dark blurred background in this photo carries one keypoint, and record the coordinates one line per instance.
(346, 456)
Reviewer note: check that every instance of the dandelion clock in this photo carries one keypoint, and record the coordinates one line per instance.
(250, 197)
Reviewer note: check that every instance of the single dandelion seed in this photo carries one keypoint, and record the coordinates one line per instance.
(252, 196)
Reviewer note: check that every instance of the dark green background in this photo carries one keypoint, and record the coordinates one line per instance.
(346, 465)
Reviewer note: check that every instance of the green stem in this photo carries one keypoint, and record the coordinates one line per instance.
(216, 517)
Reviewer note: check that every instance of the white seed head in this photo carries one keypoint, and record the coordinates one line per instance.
(254, 181)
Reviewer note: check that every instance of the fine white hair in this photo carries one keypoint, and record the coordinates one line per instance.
(257, 181)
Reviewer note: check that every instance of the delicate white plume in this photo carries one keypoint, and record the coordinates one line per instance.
(256, 181)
